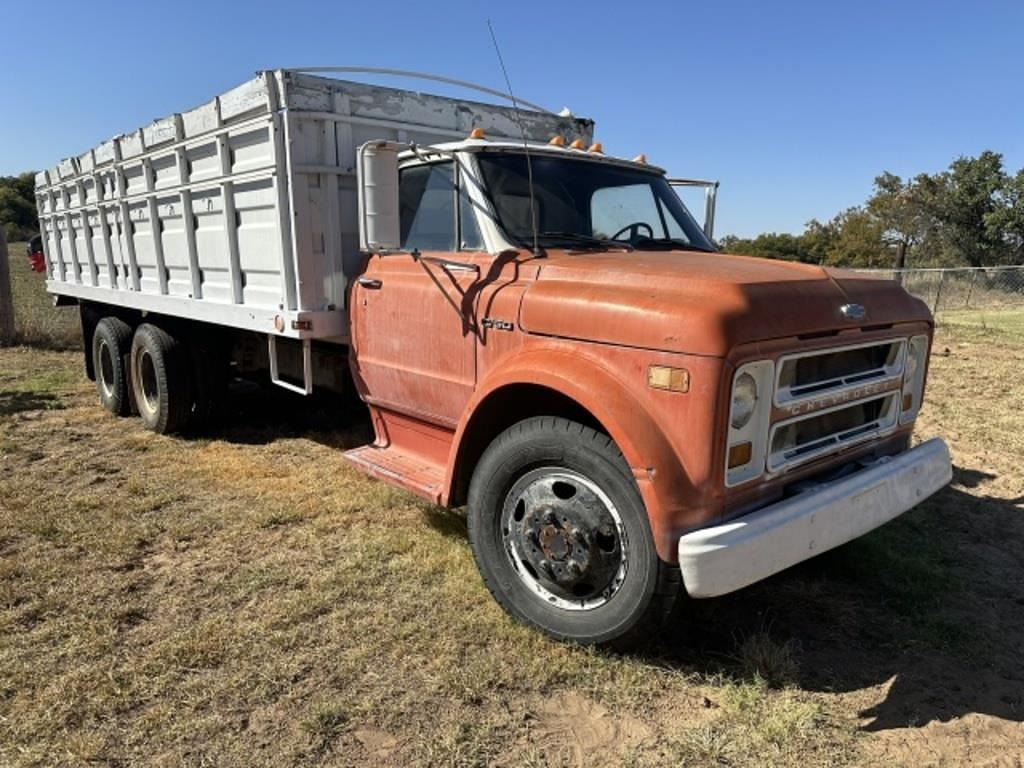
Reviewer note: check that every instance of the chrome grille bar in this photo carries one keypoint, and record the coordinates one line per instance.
(831, 371)
(808, 436)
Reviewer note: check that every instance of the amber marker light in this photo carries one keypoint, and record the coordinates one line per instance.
(596, 148)
(669, 379)
(577, 144)
(739, 455)
(557, 141)
(908, 402)
(641, 158)
(477, 133)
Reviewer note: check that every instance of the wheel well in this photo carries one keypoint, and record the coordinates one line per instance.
(499, 411)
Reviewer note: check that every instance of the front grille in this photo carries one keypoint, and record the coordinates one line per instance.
(811, 435)
(830, 371)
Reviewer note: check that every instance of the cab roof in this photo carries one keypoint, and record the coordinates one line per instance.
(538, 148)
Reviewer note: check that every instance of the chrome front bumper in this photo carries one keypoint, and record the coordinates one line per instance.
(724, 558)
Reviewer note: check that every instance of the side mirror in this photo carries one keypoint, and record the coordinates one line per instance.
(377, 178)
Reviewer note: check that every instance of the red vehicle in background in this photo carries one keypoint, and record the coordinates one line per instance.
(36, 260)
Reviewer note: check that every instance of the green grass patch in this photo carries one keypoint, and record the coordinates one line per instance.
(980, 324)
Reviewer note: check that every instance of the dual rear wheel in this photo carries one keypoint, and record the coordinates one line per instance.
(172, 384)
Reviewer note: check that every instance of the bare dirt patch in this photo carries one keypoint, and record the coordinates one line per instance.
(246, 598)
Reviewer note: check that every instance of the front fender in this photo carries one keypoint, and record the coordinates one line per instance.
(619, 404)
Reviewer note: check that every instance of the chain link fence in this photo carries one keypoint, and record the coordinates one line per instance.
(962, 288)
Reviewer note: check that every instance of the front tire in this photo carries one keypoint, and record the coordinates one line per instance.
(561, 536)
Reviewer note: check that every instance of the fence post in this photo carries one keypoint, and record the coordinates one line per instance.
(970, 288)
(6, 302)
(938, 292)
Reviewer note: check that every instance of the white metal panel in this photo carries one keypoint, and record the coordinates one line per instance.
(211, 239)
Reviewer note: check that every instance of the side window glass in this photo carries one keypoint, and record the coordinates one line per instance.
(427, 207)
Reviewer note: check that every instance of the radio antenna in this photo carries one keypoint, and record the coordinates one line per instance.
(526, 147)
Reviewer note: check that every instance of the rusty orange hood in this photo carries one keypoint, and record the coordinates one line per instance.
(700, 303)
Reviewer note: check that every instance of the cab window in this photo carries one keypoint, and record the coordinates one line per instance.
(427, 210)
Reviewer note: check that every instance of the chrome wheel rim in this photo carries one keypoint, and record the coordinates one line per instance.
(564, 538)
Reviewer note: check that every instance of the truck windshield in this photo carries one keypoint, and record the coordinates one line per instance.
(586, 203)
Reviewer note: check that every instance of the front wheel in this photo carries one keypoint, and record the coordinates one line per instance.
(561, 536)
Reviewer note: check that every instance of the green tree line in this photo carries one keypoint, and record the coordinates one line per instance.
(18, 206)
(971, 214)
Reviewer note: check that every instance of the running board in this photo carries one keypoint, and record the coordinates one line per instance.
(307, 367)
(406, 470)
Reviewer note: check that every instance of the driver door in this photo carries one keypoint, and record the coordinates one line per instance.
(414, 331)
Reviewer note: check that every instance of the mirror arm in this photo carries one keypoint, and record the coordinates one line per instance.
(448, 264)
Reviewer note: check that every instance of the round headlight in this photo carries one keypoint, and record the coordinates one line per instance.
(744, 398)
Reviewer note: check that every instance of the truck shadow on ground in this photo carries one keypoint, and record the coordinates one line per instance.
(257, 414)
(931, 605)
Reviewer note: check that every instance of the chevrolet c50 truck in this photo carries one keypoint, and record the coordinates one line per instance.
(542, 332)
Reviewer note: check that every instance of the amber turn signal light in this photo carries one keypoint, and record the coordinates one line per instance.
(739, 455)
(908, 402)
(671, 379)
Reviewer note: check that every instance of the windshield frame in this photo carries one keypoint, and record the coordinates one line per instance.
(667, 203)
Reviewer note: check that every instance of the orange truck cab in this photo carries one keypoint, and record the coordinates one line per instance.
(546, 333)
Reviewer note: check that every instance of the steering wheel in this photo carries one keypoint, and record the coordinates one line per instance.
(634, 231)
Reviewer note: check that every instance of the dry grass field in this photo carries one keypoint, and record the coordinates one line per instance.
(247, 599)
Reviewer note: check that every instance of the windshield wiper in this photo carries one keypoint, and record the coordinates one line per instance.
(668, 244)
(587, 241)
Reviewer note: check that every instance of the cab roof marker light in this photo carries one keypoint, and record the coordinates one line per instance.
(577, 144)
(478, 133)
(641, 158)
(596, 148)
(557, 141)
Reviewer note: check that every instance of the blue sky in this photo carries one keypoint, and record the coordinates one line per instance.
(794, 107)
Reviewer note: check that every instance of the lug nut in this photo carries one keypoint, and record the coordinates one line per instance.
(549, 517)
(546, 567)
(573, 568)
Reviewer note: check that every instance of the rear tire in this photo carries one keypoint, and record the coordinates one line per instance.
(561, 536)
(111, 351)
(160, 380)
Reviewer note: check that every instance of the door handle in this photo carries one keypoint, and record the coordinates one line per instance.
(370, 282)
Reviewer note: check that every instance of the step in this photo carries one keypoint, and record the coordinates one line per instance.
(406, 470)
